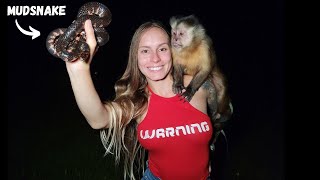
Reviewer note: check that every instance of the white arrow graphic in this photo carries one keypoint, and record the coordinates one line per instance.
(34, 33)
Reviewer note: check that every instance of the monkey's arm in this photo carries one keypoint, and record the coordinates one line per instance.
(195, 84)
(178, 73)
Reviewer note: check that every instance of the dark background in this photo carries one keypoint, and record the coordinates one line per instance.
(48, 138)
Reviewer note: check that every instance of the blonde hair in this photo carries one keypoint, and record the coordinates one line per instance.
(129, 105)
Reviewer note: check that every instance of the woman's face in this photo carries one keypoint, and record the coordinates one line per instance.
(154, 54)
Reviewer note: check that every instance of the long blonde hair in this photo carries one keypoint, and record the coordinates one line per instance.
(129, 105)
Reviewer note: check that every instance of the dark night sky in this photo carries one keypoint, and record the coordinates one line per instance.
(43, 118)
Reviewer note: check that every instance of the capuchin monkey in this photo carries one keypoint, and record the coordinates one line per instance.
(193, 54)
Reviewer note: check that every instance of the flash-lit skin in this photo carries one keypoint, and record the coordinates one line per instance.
(154, 55)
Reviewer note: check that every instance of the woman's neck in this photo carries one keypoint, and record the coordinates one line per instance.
(163, 87)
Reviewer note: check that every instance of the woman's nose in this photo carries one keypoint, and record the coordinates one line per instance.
(156, 57)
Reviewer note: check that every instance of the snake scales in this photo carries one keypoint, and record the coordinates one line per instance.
(69, 44)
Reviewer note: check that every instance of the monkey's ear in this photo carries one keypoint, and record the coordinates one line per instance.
(173, 21)
(192, 16)
(193, 19)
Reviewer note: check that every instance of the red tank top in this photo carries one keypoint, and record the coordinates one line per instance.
(177, 137)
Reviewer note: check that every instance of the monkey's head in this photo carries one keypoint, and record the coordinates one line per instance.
(185, 31)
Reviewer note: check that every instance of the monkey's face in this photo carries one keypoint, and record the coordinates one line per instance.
(181, 36)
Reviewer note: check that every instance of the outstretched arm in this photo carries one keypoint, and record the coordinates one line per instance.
(83, 88)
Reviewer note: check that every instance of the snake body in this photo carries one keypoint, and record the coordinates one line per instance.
(69, 44)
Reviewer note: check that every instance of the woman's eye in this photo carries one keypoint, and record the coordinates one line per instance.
(163, 49)
(144, 51)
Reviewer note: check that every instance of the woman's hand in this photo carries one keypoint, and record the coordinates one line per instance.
(91, 41)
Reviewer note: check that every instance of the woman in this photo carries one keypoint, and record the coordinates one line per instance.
(146, 114)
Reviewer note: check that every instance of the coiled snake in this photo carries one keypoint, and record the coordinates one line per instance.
(69, 44)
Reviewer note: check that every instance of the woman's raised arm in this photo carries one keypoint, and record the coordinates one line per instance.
(83, 88)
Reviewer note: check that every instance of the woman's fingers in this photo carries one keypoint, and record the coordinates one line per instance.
(91, 39)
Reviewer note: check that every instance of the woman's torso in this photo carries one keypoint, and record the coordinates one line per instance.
(176, 134)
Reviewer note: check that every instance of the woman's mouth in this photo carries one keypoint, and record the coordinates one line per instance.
(155, 68)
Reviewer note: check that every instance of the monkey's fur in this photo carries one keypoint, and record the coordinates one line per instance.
(193, 54)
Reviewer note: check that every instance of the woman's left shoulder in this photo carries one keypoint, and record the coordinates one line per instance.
(187, 79)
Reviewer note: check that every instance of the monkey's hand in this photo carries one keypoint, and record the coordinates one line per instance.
(188, 94)
(177, 88)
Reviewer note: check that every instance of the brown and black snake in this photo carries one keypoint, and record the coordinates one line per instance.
(69, 44)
